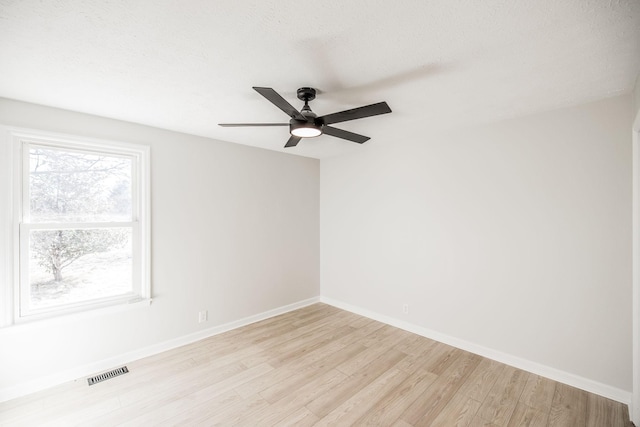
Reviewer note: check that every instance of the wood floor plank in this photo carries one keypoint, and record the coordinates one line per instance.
(482, 379)
(401, 423)
(415, 345)
(526, 416)
(301, 418)
(199, 405)
(305, 369)
(61, 416)
(302, 376)
(479, 422)
(357, 363)
(418, 355)
(459, 412)
(316, 365)
(358, 404)
(398, 339)
(360, 333)
(390, 407)
(276, 347)
(569, 407)
(328, 356)
(447, 356)
(436, 358)
(501, 401)
(602, 411)
(318, 341)
(298, 336)
(428, 405)
(16, 409)
(223, 415)
(327, 402)
(361, 321)
(378, 335)
(291, 404)
(538, 393)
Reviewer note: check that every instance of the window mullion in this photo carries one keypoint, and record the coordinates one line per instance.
(78, 225)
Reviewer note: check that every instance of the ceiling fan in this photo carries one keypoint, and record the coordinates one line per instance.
(305, 123)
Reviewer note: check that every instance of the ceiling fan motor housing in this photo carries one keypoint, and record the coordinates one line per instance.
(306, 94)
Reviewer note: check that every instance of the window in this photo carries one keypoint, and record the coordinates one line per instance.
(81, 211)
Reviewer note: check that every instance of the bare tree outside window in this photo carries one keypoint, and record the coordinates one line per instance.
(66, 186)
(82, 196)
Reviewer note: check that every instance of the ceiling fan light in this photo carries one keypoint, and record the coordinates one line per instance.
(305, 130)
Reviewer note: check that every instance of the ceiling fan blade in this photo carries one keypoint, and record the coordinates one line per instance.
(235, 125)
(340, 133)
(356, 113)
(275, 98)
(293, 141)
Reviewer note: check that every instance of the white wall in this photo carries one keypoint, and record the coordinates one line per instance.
(235, 231)
(513, 237)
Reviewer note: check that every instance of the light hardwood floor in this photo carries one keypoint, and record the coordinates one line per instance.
(317, 366)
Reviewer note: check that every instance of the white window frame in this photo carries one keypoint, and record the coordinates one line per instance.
(16, 232)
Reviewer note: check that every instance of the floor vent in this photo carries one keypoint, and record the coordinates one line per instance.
(107, 375)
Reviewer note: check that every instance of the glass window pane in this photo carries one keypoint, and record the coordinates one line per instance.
(69, 186)
(70, 266)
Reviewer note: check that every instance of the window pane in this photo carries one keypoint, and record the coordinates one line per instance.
(68, 186)
(69, 266)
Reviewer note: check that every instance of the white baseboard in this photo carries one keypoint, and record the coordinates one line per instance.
(564, 377)
(106, 364)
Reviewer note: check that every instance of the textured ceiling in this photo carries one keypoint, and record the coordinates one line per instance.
(188, 65)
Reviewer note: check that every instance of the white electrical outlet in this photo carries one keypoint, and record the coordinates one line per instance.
(405, 308)
(202, 316)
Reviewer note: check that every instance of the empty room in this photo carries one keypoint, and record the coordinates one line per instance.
(333, 213)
